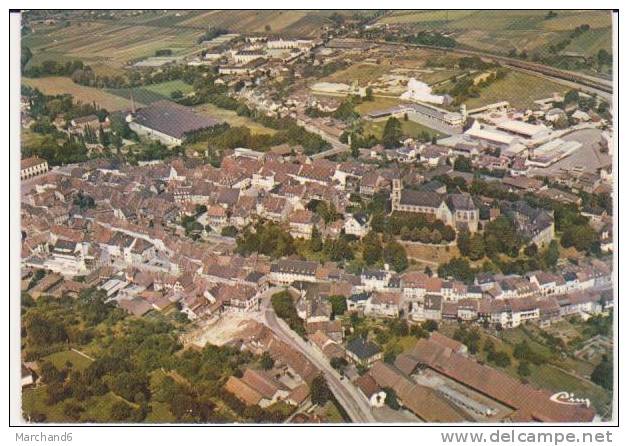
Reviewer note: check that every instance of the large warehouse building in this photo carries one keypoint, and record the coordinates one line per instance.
(168, 122)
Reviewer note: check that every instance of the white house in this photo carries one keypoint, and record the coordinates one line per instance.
(356, 224)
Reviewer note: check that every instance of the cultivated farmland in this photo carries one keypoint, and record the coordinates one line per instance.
(63, 85)
(499, 31)
(520, 89)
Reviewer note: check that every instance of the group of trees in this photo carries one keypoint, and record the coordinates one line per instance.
(345, 111)
(283, 305)
(500, 358)
(603, 373)
(431, 38)
(83, 74)
(288, 132)
(554, 54)
(266, 238)
(48, 67)
(58, 147)
(392, 252)
(130, 352)
(469, 337)
(392, 134)
(466, 86)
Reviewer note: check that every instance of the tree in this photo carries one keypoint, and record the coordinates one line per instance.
(130, 384)
(604, 57)
(371, 248)
(392, 133)
(120, 411)
(458, 268)
(316, 241)
(524, 369)
(476, 247)
(464, 242)
(266, 361)
(582, 237)
(319, 390)
(435, 236)
(501, 236)
(462, 164)
(395, 255)
(603, 373)
(338, 305)
(551, 255)
(284, 307)
(73, 410)
(391, 398)
(430, 325)
(338, 363)
(176, 94)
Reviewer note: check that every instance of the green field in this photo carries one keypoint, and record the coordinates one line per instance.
(60, 359)
(500, 30)
(97, 408)
(55, 85)
(378, 103)
(94, 41)
(130, 35)
(287, 22)
(166, 88)
(520, 89)
(546, 376)
(363, 73)
(409, 128)
(152, 93)
(233, 119)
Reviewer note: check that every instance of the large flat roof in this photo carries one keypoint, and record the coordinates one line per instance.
(522, 128)
(172, 119)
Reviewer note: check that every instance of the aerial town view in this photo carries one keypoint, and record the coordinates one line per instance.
(317, 216)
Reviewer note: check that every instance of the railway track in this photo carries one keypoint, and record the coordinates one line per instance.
(602, 85)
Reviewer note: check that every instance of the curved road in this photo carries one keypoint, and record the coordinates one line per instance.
(346, 393)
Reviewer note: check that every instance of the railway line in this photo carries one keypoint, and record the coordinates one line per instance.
(598, 85)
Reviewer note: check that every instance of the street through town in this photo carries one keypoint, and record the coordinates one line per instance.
(347, 395)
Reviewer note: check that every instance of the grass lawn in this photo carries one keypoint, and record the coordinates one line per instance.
(33, 401)
(166, 88)
(160, 413)
(59, 360)
(548, 376)
(232, 118)
(55, 85)
(557, 380)
(97, 408)
(152, 93)
(431, 254)
(332, 414)
(520, 89)
(30, 138)
(378, 103)
(363, 73)
(425, 16)
(409, 128)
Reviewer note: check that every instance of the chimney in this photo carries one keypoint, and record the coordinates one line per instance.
(132, 103)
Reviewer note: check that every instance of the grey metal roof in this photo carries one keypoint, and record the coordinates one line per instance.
(172, 119)
(420, 198)
(362, 348)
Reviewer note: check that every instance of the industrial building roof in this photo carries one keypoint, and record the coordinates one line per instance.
(172, 119)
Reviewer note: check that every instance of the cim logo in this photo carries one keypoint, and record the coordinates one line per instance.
(569, 399)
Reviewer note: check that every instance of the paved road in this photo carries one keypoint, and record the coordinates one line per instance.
(346, 393)
(336, 146)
